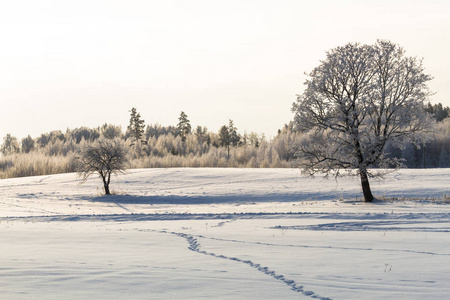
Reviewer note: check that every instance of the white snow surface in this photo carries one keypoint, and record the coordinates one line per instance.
(188, 233)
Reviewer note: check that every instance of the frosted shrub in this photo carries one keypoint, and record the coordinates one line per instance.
(53, 152)
(34, 164)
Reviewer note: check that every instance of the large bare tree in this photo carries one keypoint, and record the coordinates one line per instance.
(105, 157)
(356, 101)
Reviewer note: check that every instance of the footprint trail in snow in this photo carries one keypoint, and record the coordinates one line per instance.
(194, 245)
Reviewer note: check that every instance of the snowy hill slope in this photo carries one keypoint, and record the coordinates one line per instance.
(155, 190)
(225, 234)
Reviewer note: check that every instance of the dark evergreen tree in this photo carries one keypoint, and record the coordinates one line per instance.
(183, 126)
(224, 139)
(234, 136)
(228, 136)
(136, 127)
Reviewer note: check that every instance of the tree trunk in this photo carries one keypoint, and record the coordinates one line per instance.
(107, 190)
(108, 180)
(368, 197)
(105, 184)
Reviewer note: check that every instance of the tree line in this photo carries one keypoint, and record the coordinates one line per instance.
(180, 145)
(148, 146)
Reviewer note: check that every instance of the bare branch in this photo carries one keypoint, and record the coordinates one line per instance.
(104, 157)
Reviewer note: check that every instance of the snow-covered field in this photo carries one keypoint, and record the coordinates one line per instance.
(225, 234)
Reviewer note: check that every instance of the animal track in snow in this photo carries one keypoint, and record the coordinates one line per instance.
(194, 245)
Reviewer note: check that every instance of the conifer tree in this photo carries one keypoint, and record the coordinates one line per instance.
(183, 126)
(234, 136)
(137, 125)
(228, 136)
(224, 139)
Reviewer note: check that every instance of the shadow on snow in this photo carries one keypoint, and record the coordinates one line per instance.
(195, 200)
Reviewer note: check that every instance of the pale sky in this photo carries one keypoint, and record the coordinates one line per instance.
(67, 64)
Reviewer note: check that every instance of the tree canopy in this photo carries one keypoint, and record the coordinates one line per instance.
(10, 145)
(356, 101)
(105, 157)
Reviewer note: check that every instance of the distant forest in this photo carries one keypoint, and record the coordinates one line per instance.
(157, 146)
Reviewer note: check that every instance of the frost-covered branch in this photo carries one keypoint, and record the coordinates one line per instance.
(358, 100)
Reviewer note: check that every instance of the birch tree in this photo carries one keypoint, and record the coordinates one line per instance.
(356, 101)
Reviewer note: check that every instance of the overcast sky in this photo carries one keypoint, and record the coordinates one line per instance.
(67, 64)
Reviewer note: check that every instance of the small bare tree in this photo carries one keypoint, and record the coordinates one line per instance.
(356, 101)
(105, 157)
